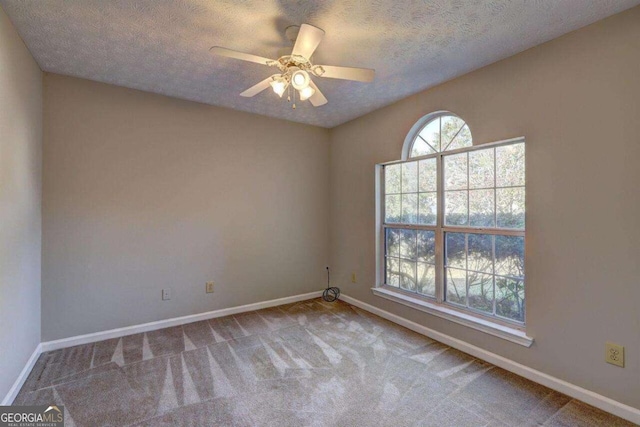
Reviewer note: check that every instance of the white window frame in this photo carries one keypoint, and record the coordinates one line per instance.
(510, 330)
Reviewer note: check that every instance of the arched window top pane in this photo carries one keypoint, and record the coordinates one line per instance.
(442, 132)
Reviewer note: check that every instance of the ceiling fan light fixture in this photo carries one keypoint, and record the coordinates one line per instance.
(279, 86)
(306, 93)
(295, 67)
(300, 79)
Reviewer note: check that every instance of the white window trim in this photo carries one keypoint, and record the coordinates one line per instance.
(415, 130)
(515, 334)
(508, 333)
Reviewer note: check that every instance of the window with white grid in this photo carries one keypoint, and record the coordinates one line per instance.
(453, 221)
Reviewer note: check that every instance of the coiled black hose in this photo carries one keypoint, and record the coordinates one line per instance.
(330, 294)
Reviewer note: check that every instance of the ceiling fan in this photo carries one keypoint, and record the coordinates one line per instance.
(296, 69)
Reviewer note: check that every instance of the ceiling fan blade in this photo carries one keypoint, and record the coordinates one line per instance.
(221, 51)
(317, 99)
(308, 40)
(348, 73)
(256, 89)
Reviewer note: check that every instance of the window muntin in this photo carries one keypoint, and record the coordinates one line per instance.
(411, 192)
(485, 272)
(485, 188)
(445, 132)
(469, 202)
(411, 260)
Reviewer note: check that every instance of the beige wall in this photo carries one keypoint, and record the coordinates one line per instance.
(577, 102)
(20, 203)
(144, 192)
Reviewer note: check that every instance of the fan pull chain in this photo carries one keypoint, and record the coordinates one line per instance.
(294, 99)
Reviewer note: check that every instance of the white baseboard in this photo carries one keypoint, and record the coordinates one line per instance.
(145, 327)
(160, 324)
(606, 404)
(17, 385)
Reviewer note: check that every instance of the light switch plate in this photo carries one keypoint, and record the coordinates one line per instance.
(209, 287)
(166, 294)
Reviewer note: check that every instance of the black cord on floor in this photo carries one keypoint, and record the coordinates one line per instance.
(330, 294)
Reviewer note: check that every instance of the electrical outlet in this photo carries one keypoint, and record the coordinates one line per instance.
(166, 294)
(614, 354)
(209, 287)
(353, 277)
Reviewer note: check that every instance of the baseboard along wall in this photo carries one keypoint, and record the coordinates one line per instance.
(17, 385)
(601, 402)
(176, 321)
(614, 407)
(135, 329)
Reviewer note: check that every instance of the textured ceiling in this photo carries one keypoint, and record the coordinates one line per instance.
(163, 46)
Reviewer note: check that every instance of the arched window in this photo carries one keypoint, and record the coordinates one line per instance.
(451, 221)
(437, 132)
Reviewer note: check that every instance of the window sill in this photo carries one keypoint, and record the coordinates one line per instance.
(501, 331)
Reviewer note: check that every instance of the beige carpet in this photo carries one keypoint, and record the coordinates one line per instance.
(304, 364)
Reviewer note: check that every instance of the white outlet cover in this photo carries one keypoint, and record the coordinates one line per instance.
(615, 354)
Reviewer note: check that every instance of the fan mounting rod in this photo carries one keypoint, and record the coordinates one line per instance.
(291, 33)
